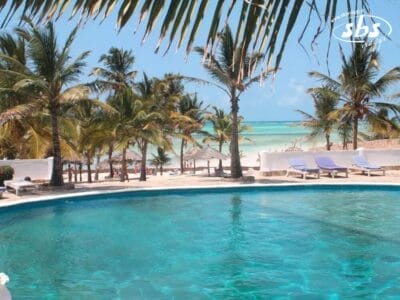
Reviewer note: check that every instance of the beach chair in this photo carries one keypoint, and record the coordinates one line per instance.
(299, 166)
(2, 190)
(327, 165)
(362, 164)
(19, 185)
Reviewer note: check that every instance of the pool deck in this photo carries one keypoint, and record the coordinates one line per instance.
(190, 181)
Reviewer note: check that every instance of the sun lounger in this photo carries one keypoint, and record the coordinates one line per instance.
(2, 190)
(19, 185)
(299, 166)
(362, 164)
(327, 165)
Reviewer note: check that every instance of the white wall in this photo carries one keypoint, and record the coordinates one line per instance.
(36, 169)
(279, 161)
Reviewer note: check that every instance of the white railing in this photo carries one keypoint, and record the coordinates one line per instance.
(279, 161)
(36, 169)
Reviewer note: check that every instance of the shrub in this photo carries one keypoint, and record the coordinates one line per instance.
(6, 173)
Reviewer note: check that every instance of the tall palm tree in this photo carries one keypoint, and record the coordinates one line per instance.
(117, 73)
(86, 130)
(192, 123)
(115, 77)
(325, 102)
(148, 121)
(262, 25)
(357, 86)
(51, 70)
(225, 69)
(222, 128)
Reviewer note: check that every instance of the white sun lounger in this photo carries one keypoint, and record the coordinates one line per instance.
(19, 185)
(299, 166)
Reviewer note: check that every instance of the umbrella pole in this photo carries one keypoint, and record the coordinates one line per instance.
(208, 166)
(194, 166)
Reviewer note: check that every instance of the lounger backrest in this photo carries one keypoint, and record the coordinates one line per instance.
(297, 163)
(324, 162)
(359, 160)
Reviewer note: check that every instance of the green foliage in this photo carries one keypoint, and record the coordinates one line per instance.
(6, 173)
(357, 87)
(261, 25)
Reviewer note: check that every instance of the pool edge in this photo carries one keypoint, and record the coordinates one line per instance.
(187, 188)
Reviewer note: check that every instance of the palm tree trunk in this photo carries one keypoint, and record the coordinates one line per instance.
(57, 174)
(182, 148)
(110, 153)
(220, 151)
(328, 142)
(161, 169)
(96, 176)
(355, 132)
(236, 168)
(124, 174)
(144, 158)
(89, 170)
(69, 172)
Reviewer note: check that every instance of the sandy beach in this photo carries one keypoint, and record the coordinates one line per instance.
(185, 180)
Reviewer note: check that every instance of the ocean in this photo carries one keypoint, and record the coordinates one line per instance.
(263, 136)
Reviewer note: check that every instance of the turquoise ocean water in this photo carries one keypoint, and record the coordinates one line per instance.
(263, 136)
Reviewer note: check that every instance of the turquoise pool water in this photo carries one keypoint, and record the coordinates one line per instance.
(308, 243)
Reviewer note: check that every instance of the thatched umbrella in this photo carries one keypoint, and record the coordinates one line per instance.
(130, 156)
(206, 153)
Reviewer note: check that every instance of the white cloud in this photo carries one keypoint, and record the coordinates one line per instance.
(296, 94)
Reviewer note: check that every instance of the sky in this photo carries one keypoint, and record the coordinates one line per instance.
(276, 100)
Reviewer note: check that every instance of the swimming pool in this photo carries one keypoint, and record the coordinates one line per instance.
(242, 243)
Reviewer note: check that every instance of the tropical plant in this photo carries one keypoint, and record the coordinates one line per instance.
(264, 26)
(356, 86)
(50, 70)
(115, 77)
(160, 159)
(191, 109)
(148, 122)
(87, 130)
(222, 128)
(345, 132)
(224, 69)
(384, 127)
(325, 102)
(6, 173)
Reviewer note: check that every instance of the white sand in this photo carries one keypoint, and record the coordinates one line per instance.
(392, 176)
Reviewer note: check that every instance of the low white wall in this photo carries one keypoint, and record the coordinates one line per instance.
(279, 161)
(36, 169)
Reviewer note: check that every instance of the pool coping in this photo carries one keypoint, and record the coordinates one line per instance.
(187, 188)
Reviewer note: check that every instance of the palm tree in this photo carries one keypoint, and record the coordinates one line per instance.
(384, 127)
(160, 159)
(191, 109)
(115, 77)
(87, 130)
(262, 25)
(225, 69)
(357, 87)
(325, 102)
(222, 128)
(52, 69)
(148, 123)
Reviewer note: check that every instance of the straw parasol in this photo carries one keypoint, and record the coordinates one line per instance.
(130, 156)
(206, 153)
